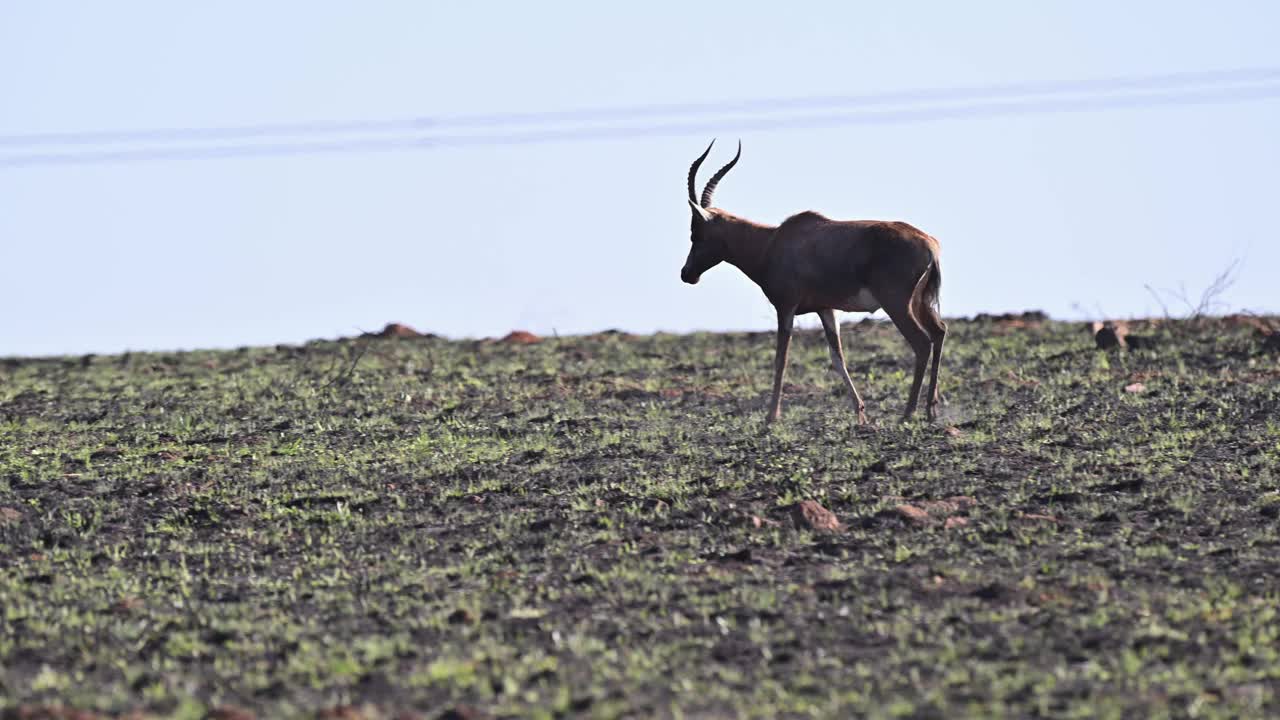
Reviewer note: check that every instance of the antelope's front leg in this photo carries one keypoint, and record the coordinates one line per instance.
(831, 328)
(786, 318)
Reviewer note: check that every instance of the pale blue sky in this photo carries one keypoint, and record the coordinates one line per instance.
(1033, 211)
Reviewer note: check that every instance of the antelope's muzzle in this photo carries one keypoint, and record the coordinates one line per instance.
(688, 275)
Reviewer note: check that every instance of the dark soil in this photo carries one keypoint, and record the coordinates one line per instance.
(602, 526)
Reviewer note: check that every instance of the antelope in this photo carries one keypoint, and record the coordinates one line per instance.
(812, 264)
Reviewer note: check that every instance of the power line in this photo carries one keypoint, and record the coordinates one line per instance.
(581, 133)
(970, 93)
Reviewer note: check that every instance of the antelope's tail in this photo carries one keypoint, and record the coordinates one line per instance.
(927, 290)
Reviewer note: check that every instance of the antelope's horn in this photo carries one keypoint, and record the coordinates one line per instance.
(693, 173)
(715, 179)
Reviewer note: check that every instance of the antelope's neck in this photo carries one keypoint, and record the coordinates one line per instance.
(747, 247)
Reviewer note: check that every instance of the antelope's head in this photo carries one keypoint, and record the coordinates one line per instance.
(708, 248)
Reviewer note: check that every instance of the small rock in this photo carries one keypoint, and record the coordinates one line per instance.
(1135, 388)
(809, 514)
(955, 522)
(9, 516)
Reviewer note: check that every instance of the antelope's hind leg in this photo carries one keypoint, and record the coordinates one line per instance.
(937, 330)
(920, 343)
(831, 327)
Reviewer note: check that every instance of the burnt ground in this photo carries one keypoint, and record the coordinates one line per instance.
(601, 526)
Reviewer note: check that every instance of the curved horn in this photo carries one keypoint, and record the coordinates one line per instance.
(715, 179)
(693, 172)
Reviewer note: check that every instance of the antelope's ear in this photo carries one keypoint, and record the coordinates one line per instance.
(699, 210)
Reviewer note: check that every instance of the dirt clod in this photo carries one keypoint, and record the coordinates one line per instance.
(48, 712)
(461, 616)
(948, 506)
(343, 712)
(808, 514)
(520, 337)
(1109, 335)
(913, 514)
(395, 330)
(126, 605)
(1022, 319)
(230, 712)
(929, 512)
(1112, 335)
(105, 453)
(761, 522)
(1271, 342)
(464, 712)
